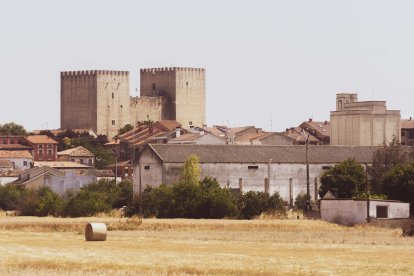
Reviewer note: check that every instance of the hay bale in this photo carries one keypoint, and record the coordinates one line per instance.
(95, 231)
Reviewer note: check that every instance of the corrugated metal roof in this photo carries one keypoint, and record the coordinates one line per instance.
(262, 154)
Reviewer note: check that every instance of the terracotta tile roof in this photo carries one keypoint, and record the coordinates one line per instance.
(254, 136)
(214, 130)
(14, 147)
(296, 134)
(321, 128)
(187, 137)
(168, 124)
(60, 164)
(5, 164)
(171, 153)
(77, 152)
(15, 154)
(40, 139)
(407, 123)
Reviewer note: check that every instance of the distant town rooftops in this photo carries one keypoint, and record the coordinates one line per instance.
(60, 164)
(15, 154)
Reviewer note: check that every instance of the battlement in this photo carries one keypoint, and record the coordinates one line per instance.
(170, 69)
(94, 72)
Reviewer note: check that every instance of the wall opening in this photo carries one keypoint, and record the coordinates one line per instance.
(382, 211)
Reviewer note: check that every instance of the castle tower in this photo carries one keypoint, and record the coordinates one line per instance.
(95, 99)
(184, 90)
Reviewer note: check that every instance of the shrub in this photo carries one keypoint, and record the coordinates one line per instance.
(49, 203)
(86, 203)
(252, 204)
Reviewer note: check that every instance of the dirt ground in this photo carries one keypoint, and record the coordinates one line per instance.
(39, 246)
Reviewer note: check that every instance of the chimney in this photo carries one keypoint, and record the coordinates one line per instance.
(410, 118)
(310, 120)
(177, 132)
(326, 122)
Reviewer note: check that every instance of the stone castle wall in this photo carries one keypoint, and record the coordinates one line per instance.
(100, 99)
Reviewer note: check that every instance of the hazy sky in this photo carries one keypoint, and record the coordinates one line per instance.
(283, 60)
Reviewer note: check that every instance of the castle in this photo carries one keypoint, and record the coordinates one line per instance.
(100, 100)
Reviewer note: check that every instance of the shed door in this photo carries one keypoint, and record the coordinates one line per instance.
(382, 211)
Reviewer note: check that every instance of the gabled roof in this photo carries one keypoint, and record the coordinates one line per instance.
(40, 139)
(321, 129)
(298, 134)
(171, 153)
(14, 147)
(15, 154)
(76, 152)
(33, 173)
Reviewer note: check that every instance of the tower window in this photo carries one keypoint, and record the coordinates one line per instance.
(113, 122)
(186, 83)
(154, 86)
(112, 95)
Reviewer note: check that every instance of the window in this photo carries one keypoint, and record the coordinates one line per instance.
(113, 122)
(252, 167)
(154, 86)
(40, 152)
(382, 211)
(49, 152)
(49, 145)
(411, 134)
(147, 167)
(11, 141)
(81, 161)
(112, 95)
(402, 133)
(90, 161)
(25, 163)
(326, 167)
(40, 146)
(73, 160)
(4, 142)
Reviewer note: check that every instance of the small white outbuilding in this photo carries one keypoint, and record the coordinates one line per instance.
(354, 211)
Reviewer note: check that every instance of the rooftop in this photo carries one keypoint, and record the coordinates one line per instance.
(171, 153)
(78, 151)
(15, 154)
(40, 139)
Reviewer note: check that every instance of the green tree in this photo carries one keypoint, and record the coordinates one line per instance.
(253, 204)
(50, 203)
(12, 129)
(345, 180)
(398, 183)
(191, 170)
(385, 159)
(125, 129)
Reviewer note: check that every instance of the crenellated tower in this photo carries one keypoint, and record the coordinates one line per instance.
(182, 88)
(96, 99)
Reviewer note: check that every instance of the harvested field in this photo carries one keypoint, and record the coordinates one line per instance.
(38, 246)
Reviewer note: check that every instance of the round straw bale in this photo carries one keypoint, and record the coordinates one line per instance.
(95, 231)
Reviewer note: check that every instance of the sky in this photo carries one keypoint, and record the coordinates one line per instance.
(272, 64)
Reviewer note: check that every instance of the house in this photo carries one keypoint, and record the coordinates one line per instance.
(407, 132)
(35, 178)
(320, 130)
(20, 159)
(354, 211)
(247, 168)
(44, 148)
(11, 139)
(299, 135)
(7, 172)
(58, 181)
(78, 155)
(134, 140)
(62, 165)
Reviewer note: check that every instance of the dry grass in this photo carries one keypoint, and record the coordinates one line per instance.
(38, 246)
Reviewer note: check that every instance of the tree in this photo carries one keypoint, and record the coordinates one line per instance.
(125, 129)
(398, 183)
(191, 170)
(345, 180)
(385, 159)
(253, 204)
(50, 203)
(12, 129)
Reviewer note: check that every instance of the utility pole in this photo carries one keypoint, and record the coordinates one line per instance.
(367, 191)
(308, 207)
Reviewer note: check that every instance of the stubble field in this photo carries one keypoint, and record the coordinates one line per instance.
(38, 246)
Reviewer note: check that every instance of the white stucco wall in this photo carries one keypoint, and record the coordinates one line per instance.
(228, 175)
(6, 179)
(350, 212)
(60, 184)
(19, 162)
